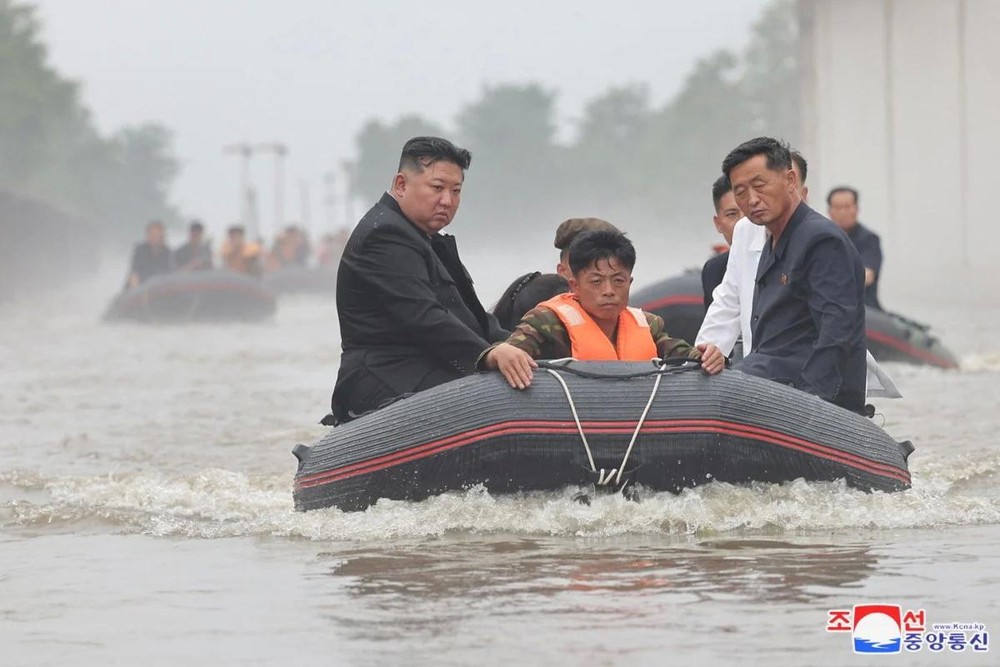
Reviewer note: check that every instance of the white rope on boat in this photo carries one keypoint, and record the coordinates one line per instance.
(576, 418)
(615, 473)
(638, 427)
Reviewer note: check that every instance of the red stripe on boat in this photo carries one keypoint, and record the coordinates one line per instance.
(624, 428)
(909, 349)
(675, 300)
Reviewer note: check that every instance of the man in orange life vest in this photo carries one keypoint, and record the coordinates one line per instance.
(592, 322)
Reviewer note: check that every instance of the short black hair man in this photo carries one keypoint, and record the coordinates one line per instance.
(808, 319)
(150, 258)
(409, 316)
(195, 255)
(842, 205)
(727, 214)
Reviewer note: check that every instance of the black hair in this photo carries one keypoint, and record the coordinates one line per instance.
(591, 247)
(525, 293)
(801, 163)
(777, 152)
(719, 189)
(236, 229)
(196, 226)
(421, 152)
(842, 188)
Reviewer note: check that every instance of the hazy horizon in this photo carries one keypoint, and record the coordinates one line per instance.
(310, 73)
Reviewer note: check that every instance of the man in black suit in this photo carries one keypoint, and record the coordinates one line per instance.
(409, 315)
(727, 214)
(843, 208)
(808, 320)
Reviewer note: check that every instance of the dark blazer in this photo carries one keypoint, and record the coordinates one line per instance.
(808, 318)
(408, 311)
(870, 247)
(712, 273)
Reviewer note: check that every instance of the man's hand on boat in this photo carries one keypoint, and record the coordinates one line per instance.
(514, 364)
(712, 359)
(517, 366)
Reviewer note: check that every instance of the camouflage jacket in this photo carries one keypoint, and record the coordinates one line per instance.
(542, 335)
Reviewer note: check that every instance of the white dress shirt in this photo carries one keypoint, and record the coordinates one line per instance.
(732, 301)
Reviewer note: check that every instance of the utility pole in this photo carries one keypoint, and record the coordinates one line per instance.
(244, 152)
(348, 167)
(330, 200)
(279, 150)
(305, 207)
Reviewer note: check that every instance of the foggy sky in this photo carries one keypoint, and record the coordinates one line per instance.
(309, 73)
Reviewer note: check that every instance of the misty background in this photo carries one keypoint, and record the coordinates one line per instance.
(115, 113)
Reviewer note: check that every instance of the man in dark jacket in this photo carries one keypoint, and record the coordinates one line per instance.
(409, 316)
(727, 214)
(808, 319)
(842, 203)
(196, 254)
(150, 258)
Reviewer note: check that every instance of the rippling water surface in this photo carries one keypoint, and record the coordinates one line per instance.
(146, 517)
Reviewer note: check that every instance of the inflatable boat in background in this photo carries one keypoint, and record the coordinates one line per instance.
(196, 296)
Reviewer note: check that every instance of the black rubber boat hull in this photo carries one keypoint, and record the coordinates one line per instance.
(893, 337)
(680, 301)
(198, 296)
(730, 428)
(302, 280)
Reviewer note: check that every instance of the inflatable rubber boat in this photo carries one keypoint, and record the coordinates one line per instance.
(194, 296)
(679, 300)
(302, 280)
(608, 424)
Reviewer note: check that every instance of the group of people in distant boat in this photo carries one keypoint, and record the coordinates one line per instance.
(793, 286)
(291, 248)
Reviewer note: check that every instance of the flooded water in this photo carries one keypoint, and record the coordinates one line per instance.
(146, 517)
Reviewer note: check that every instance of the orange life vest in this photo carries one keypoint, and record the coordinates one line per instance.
(589, 342)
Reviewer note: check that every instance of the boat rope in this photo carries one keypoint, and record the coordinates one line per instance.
(576, 418)
(660, 367)
(605, 477)
(638, 427)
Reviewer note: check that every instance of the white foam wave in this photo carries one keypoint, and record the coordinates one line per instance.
(987, 361)
(220, 503)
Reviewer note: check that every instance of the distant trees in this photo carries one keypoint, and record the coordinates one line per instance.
(51, 151)
(627, 158)
(378, 153)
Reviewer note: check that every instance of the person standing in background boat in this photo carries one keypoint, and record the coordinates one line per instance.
(150, 258)
(240, 256)
(728, 313)
(808, 321)
(842, 203)
(331, 247)
(409, 315)
(594, 321)
(196, 254)
(291, 248)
